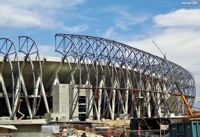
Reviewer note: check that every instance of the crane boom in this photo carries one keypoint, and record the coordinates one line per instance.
(164, 55)
(184, 100)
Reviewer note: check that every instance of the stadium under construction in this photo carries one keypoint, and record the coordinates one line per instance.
(92, 80)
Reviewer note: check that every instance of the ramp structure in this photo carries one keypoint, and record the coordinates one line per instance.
(94, 78)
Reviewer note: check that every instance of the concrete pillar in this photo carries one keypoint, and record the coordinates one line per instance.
(61, 104)
(61, 98)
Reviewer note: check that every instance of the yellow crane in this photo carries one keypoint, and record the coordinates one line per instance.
(184, 100)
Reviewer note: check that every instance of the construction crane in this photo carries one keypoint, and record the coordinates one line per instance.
(184, 100)
(164, 54)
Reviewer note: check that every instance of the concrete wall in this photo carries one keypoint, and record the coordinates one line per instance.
(27, 131)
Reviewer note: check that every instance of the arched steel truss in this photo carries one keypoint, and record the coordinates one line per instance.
(29, 47)
(119, 80)
(18, 87)
(125, 80)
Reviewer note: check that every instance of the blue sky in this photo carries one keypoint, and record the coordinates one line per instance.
(174, 26)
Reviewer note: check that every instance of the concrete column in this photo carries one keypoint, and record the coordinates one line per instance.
(61, 98)
(61, 103)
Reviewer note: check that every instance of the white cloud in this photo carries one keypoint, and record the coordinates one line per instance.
(179, 39)
(126, 19)
(123, 20)
(179, 18)
(15, 17)
(76, 29)
(36, 13)
(109, 32)
(38, 4)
